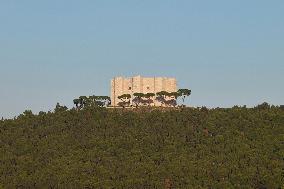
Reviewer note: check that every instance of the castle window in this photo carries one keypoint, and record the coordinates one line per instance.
(148, 88)
(129, 88)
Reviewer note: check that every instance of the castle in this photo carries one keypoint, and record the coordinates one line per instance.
(138, 84)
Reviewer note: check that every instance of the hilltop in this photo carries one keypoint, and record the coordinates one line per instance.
(116, 148)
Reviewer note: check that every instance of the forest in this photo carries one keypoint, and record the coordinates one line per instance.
(145, 147)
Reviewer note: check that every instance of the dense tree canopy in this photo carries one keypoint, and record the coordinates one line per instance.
(144, 148)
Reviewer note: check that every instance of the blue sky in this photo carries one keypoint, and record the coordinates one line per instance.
(228, 52)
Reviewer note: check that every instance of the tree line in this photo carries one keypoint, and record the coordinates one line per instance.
(84, 101)
(166, 99)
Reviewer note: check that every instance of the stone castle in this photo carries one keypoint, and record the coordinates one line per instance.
(138, 84)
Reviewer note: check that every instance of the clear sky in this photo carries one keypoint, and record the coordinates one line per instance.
(228, 52)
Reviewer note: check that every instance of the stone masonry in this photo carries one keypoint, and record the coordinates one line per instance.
(138, 84)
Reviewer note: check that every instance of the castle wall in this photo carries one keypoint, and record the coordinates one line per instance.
(138, 84)
(148, 85)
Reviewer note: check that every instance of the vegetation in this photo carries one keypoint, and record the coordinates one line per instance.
(143, 99)
(94, 147)
(183, 93)
(167, 99)
(138, 98)
(83, 101)
(125, 100)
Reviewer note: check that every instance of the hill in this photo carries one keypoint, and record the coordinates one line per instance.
(184, 148)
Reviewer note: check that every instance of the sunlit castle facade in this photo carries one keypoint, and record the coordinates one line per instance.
(139, 84)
